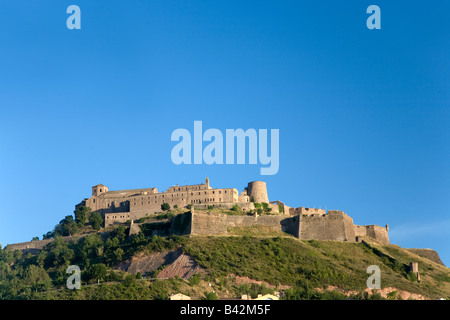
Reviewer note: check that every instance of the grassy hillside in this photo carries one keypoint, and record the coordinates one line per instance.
(315, 264)
(303, 267)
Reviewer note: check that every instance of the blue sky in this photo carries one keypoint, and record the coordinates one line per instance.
(363, 114)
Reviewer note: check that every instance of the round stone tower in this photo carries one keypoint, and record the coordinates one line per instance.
(258, 190)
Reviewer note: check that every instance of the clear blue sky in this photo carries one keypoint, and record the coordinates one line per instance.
(363, 114)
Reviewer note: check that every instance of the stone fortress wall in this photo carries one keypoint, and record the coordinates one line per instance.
(304, 223)
(120, 206)
(37, 245)
(335, 225)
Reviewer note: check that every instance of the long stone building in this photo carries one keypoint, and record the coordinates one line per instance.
(122, 205)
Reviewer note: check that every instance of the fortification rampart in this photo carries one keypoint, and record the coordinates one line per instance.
(218, 224)
(306, 211)
(36, 245)
(335, 225)
(29, 246)
(376, 232)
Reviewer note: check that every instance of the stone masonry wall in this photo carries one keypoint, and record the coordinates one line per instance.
(30, 246)
(36, 245)
(376, 232)
(335, 225)
(216, 224)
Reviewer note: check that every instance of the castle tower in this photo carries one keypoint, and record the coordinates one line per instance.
(99, 189)
(207, 182)
(258, 190)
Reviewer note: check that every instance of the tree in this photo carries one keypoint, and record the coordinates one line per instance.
(96, 221)
(96, 272)
(165, 206)
(35, 239)
(120, 233)
(59, 253)
(66, 227)
(48, 235)
(90, 246)
(118, 254)
(37, 278)
(81, 215)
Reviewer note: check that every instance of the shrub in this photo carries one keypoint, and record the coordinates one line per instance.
(95, 272)
(235, 207)
(195, 279)
(210, 296)
(165, 206)
(164, 216)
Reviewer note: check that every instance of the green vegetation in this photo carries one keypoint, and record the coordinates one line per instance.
(263, 208)
(81, 215)
(165, 206)
(96, 221)
(181, 223)
(70, 226)
(66, 227)
(210, 296)
(306, 264)
(164, 216)
(260, 253)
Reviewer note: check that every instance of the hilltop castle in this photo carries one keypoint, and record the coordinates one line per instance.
(304, 223)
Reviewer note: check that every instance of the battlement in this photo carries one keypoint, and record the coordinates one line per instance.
(306, 211)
